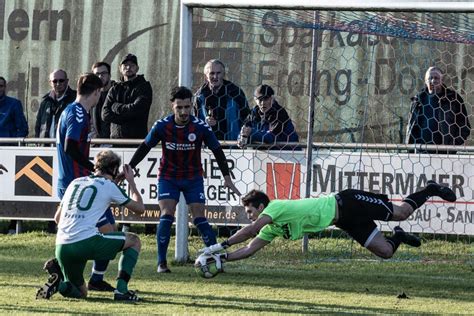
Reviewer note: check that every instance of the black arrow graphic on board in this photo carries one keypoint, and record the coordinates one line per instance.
(120, 45)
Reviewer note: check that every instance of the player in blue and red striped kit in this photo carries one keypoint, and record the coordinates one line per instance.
(182, 136)
(73, 144)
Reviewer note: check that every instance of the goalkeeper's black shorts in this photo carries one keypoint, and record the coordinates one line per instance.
(358, 210)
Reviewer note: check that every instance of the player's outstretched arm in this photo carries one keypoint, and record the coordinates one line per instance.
(255, 245)
(139, 154)
(249, 231)
(242, 235)
(136, 204)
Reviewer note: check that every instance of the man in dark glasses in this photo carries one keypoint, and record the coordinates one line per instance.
(53, 103)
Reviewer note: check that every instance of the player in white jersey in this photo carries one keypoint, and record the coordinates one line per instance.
(78, 239)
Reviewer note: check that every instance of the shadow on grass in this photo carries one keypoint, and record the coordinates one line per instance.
(381, 281)
(360, 278)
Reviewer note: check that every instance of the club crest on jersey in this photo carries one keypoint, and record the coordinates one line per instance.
(192, 137)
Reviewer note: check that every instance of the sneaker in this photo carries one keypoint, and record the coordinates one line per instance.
(101, 286)
(163, 268)
(52, 267)
(443, 192)
(406, 238)
(129, 296)
(49, 288)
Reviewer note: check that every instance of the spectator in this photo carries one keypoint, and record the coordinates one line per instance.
(269, 122)
(12, 124)
(221, 103)
(51, 107)
(12, 120)
(99, 128)
(438, 114)
(53, 104)
(128, 103)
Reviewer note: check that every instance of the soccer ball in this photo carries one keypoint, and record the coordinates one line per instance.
(208, 266)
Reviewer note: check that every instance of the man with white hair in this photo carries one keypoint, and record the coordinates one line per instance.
(438, 114)
(221, 103)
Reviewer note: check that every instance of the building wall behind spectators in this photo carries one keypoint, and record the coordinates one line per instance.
(39, 36)
(365, 82)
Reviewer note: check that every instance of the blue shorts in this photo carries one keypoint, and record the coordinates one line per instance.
(106, 218)
(193, 190)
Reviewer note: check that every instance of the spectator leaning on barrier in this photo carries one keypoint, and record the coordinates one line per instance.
(269, 122)
(99, 128)
(128, 103)
(12, 124)
(53, 104)
(438, 114)
(12, 120)
(221, 103)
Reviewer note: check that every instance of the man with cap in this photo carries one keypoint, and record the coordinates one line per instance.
(269, 122)
(127, 105)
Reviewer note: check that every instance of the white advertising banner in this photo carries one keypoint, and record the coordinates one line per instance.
(28, 190)
(398, 175)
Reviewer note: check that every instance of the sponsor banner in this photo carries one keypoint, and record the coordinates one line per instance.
(398, 176)
(28, 190)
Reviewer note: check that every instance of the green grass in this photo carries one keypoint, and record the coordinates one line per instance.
(438, 279)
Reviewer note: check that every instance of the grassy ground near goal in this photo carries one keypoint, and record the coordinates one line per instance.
(279, 280)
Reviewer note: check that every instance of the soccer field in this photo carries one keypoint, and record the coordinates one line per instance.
(279, 280)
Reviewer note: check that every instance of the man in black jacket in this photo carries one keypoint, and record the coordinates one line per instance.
(438, 114)
(128, 103)
(53, 104)
(99, 128)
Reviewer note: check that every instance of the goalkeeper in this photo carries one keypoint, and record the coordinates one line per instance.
(354, 211)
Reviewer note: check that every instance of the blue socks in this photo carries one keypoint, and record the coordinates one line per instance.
(163, 234)
(207, 234)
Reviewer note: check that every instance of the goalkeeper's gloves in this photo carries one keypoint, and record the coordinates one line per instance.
(215, 248)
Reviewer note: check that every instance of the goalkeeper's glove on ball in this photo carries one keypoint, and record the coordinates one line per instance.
(215, 248)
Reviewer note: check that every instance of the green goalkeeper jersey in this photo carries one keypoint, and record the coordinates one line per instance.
(293, 218)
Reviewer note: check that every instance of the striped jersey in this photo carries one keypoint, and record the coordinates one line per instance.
(73, 124)
(181, 146)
